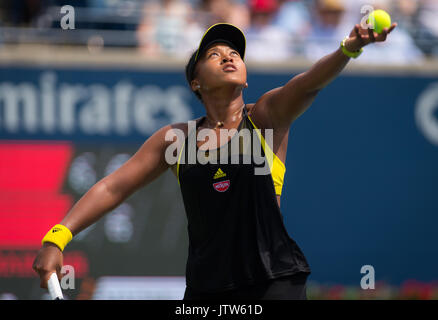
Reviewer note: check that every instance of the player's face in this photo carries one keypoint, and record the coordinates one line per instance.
(220, 65)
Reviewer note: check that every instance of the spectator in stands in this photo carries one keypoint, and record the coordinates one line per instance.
(402, 48)
(294, 17)
(266, 41)
(428, 26)
(21, 13)
(166, 28)
(229, 11)
(327, 30)
(405, 12)
(331, 26)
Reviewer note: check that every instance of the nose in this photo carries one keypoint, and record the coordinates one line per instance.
(227, 58)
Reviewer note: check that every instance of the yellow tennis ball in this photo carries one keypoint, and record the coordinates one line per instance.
(379, 19)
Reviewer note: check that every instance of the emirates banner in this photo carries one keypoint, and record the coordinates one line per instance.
(360, 193)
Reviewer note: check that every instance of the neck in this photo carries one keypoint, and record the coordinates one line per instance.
(223, 106)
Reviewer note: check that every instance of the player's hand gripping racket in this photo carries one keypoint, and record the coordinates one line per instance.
(54, 287)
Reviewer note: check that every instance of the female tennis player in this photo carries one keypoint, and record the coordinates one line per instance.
(238, 245)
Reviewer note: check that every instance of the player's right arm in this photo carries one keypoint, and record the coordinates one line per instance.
(142, 168)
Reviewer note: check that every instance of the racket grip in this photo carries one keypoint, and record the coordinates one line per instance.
(54, 287)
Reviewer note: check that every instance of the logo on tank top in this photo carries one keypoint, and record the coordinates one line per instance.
(219, 174)
(221, 186)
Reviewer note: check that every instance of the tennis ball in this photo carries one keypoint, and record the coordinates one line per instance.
(379, 19)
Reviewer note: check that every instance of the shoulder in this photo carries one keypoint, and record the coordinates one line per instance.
(174, 133)
(261, 116)
(259, 111)
(250, 108)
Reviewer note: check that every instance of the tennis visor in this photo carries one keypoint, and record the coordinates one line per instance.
(220, 32)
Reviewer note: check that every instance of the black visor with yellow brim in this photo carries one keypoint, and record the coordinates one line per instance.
(220, 32)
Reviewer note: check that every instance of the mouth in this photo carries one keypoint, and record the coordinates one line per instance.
(229, 68)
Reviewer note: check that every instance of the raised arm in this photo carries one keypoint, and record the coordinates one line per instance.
(285, 104)
(143, 167)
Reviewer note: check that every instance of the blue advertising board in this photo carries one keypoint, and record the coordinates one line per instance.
(361, 185)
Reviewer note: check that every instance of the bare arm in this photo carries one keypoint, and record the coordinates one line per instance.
(143, 167)
(285, 104)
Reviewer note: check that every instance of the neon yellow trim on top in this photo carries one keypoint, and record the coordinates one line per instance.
(278, 169)
(179, 159)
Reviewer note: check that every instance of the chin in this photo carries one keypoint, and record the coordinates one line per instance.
(233, 80)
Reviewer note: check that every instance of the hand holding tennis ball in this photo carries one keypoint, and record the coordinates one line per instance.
(360, 37)
(379, 19)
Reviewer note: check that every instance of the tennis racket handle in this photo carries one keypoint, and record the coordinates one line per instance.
(54, 287)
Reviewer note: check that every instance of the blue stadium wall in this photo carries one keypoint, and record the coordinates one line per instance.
(361, 185)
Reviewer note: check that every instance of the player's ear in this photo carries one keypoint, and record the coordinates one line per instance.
(246, 85)
(195, 85)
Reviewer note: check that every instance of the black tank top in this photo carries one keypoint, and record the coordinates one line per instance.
(235, 227)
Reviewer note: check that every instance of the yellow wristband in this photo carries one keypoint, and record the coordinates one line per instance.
(349, 53)
(59, 235)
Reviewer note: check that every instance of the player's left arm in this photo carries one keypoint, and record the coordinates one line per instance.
(285, 104)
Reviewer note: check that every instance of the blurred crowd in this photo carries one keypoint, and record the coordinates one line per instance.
(276, 30)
